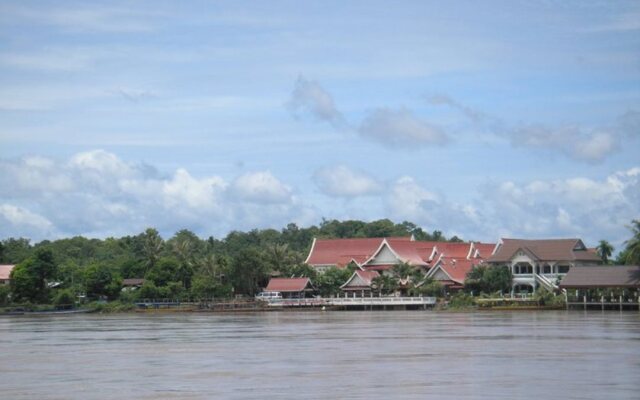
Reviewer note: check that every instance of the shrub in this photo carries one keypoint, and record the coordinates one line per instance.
(461, 300)
(64, 298)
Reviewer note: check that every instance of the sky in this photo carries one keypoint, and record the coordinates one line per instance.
(479, 119)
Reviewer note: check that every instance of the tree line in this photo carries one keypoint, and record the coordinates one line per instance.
(183, 266)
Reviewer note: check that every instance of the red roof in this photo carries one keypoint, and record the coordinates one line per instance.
(368, 275)
(340, 252)
(415, 253)
(457, 250)
(5, 271)
(287, 284)
(484, 249)
(457, 268)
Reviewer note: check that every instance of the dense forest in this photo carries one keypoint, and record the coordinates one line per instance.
(182, 266)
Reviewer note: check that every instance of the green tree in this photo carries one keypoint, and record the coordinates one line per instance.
(184, 250)
(152, 247)
(5, 292)
(99, 280)
(64, 298)
(15, 251)
(605, 249)
(29, 278)
(384, 284)
(329, 282)
(248, 271)
(632, 249)
(488, 279)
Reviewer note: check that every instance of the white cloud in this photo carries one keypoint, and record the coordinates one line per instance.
(400, 128)
(22, 222)
(572, 141)
(310, 97)
(408, 200)
(260, 187)
(96, 193)
(576, 207)
(341, 181)
(580, 144)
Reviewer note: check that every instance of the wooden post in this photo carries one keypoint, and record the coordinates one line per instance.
(584, 300)
(620, 302)
(602, 302)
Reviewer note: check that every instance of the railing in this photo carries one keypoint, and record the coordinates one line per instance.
(546, 282)
(346, 301)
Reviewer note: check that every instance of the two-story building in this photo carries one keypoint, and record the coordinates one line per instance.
(545, 262)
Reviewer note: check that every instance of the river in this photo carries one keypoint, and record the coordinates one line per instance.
(322, 355)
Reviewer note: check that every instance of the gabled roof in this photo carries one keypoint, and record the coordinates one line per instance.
(454, 249)
(5, 271)
(544, 250)
(456, 268)
(620, 276)
(483, 250)
(288, 285)
(413, 252)
(340, 252)
(360, 279)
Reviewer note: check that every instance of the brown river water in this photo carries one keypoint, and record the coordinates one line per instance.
(322, 355)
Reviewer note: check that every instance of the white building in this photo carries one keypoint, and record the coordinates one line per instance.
(544, 263)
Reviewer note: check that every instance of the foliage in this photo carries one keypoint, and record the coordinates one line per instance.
(431, 288)
(100, 280)
(29, 278)
(632, 249)
(64, 298)
(461, 300)
(111, 307)
(488, 279)
(5, 292)
(604, 249)
(186, 265)
(546, 298)
(384, 284)
(15, 250)
(248, 272)
(329, 282)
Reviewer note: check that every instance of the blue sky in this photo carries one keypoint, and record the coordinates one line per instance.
(481, 119)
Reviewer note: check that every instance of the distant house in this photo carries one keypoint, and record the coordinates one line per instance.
(359, 284)
(290, 287)
(545, 262)
(132, 283)
(5, 273)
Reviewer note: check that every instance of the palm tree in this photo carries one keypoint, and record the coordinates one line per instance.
(152, 247)
(633, 245)
(605, 249)
(384, 284)
(183, 249)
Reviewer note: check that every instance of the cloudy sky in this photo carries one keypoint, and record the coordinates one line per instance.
(480, 119)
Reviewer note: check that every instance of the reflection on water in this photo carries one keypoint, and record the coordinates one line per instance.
(320, 355)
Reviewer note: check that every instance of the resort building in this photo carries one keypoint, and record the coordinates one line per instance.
(293, 288)
(448, 262)
(455, 260)
(359, 284)
(535, 263)
(5, 274)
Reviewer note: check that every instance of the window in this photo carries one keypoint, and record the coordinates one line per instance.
(546, 269)
(563, 269)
